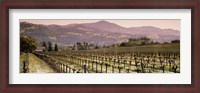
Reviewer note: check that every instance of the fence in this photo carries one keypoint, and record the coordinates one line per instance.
(112, 62)
(26, 63)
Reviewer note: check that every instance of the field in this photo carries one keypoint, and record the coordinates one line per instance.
(159, 58)
(33, 65)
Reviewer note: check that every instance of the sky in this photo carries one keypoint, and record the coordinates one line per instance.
(163, 24)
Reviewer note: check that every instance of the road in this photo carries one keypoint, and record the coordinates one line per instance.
(36, 65)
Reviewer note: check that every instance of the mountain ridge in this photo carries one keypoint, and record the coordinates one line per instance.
(100, 33)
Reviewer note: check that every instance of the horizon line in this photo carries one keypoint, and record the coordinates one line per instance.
(33, 21)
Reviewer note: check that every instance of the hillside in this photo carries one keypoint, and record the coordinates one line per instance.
(100, 33)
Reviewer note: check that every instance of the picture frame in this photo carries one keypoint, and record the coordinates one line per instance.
(103, 4)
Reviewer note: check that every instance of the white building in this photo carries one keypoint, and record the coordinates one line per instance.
(39, 49)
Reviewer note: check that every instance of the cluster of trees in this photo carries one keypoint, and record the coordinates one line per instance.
(27, 44)
(142, 41)
(175, 41)
(84, 46)
(48, 46)
(136, 41)
(80, 46)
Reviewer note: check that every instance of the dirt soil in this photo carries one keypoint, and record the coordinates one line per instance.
(36, 65)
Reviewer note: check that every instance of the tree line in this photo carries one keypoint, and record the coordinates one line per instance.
(29, 44)
(48, 46)
(142, 41)
(84, 46)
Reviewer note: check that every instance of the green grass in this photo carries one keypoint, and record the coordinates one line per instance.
(36, 65)
(146, 48)
(162, 48)
(22, 58)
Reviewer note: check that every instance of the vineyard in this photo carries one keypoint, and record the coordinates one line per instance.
(143, 59)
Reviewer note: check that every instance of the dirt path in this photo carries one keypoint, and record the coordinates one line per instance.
(36, 65)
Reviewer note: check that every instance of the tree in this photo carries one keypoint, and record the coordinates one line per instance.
(45, 46)
(56, 47)
(79, 46)
(27, 44)
(143, 43)
(156, 42)
(132, 39)
(96, 47)
(152, 42)
(104, 46)
(123, 44)
(50, 46)
(145, 39)
(175, 41)
(165, 43)
(78, 43)
(113, 45)
(74, 47)
(85, 46)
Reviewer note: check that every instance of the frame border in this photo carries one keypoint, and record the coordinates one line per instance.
(77, 4)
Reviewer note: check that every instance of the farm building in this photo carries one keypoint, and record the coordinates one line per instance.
(39, 49)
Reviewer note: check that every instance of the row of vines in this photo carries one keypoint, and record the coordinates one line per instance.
(112, 62)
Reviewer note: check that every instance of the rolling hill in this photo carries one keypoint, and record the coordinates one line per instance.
(100, 33)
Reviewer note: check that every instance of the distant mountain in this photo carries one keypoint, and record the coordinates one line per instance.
(101, 33)
(105, 26)
(144, 30)
(149, 30)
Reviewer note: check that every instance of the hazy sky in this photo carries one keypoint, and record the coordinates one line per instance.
(163, 24)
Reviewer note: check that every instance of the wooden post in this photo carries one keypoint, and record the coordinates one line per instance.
(101, 67)
(92, 65)
(153, 67)
(73, 70)
(138, 70)
(142, 66)
(163, 68)
(69, 69)
(106, 67)
(96, 68)
(61, 67)
(136, 61)
(66, 67)
(118, 62)
(114, 61)
(84, 68)
(148, 62)
(124, 64)
(170, 65)
(119, 69)
(174, 68)
(113, 69)
(128, 70)
(25, 66)
(64, 70)
(130, 64)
